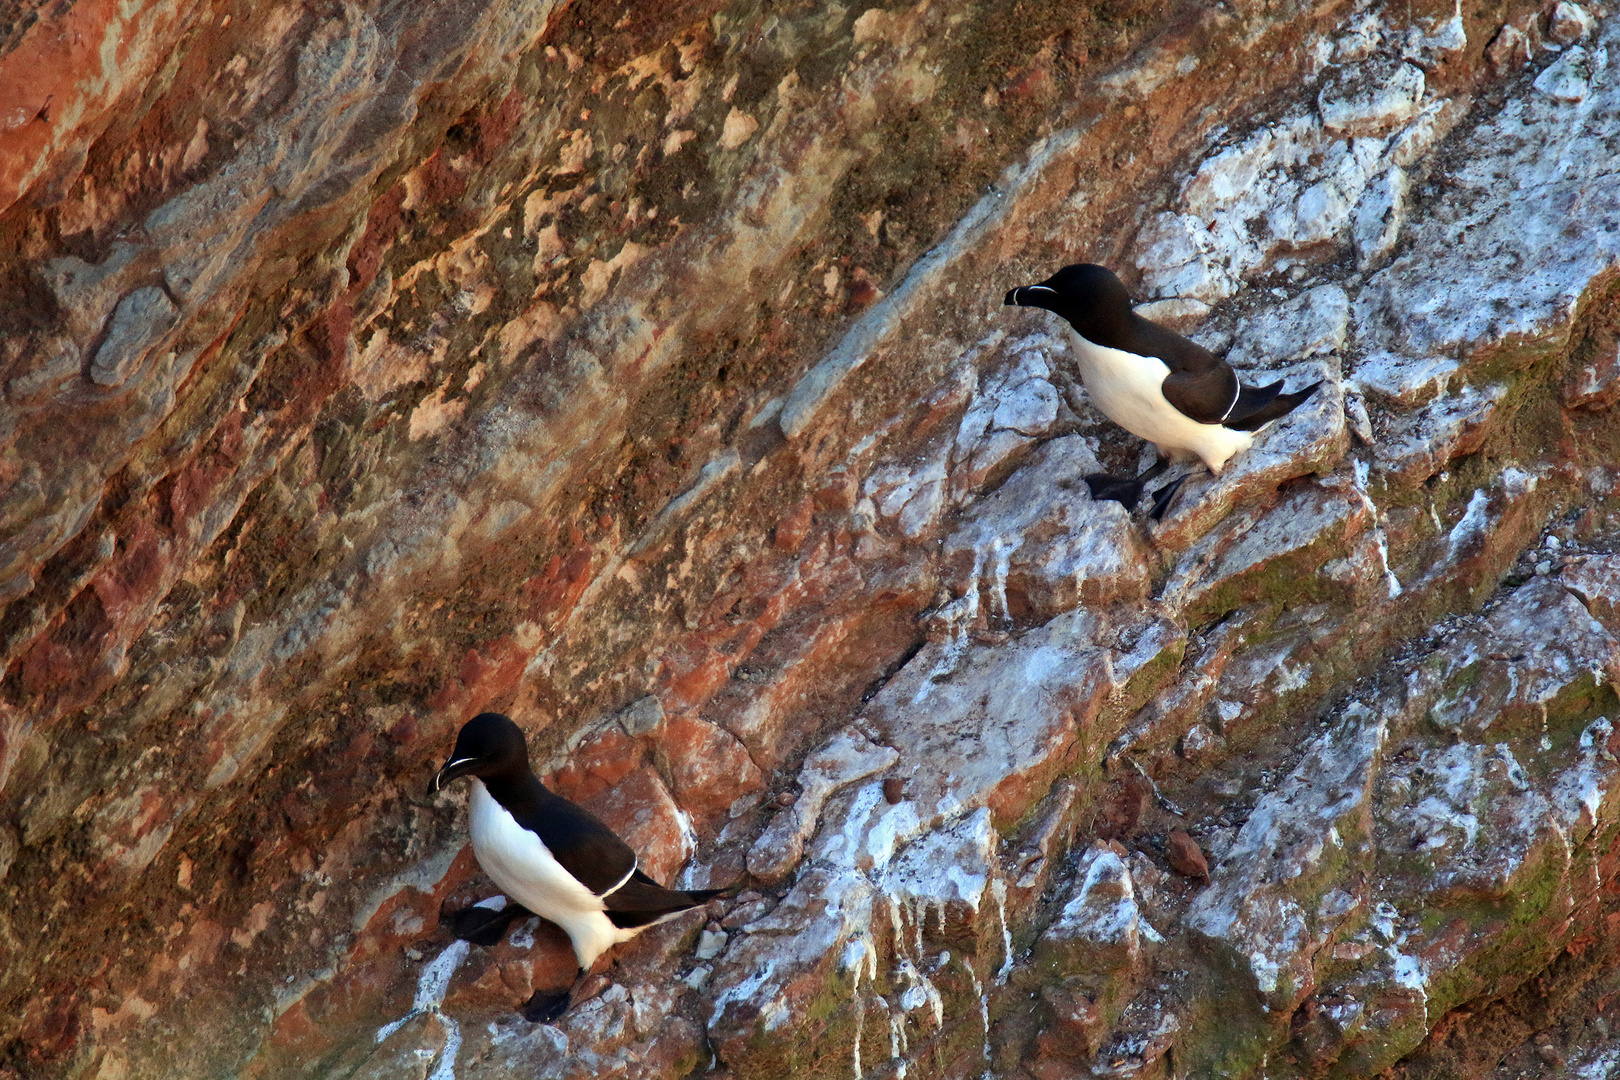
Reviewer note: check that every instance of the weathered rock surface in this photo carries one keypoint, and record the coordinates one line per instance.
(641, 371)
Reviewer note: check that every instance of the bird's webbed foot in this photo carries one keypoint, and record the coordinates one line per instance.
(1162, 497)
(544, 1007)
(1118, 488)
(485, 926)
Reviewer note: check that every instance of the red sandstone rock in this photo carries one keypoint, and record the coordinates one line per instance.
(709, 768)
(641, 811)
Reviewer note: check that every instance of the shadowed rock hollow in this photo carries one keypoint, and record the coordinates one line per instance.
(641, 371)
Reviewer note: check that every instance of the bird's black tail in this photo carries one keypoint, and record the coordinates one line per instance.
(1258, 406)
(641, 901)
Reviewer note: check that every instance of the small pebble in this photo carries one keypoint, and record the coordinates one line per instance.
(785, 799)
(1185, 856)
(1199, 743)
(1569, 23)
(413, 954)
(894, 789)
(1543, 568)
(711, 943)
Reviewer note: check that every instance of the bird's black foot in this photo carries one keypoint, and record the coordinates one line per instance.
(543, 1007)
(1162, 497)
(484, 926)
(1117, 488)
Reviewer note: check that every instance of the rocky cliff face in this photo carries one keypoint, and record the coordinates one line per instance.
(640, 370)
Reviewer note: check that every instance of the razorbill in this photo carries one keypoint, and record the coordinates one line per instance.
(550, 857)
(1153, 382)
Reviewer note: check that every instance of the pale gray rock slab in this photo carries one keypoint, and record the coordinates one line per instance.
(1418, 445)
(1596, 580)
(1225, 177)
(1029, 408)
(1538, 645)
(1569, 78)
(1568, 23)
(804, 936)
(849, 756)
(997, 449)
(945, 872)
(1039, 544)
(1464, 819)
(1324, 209)
(1484, 271)
(1176, 257)
(978, 727)
(87, 292)
(139, 322)
(1312, 518)
(1100, 929)
(1380, 216)
(1406, 381)
(1370, 98)
(1010, 409)
(1423, 134)
(1312, 323)
(980, 736)
(911, 496)
(1285, 884)
(1358, 38)
(1436, 40)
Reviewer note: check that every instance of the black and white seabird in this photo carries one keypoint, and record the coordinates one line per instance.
(550, 857)
(1153, 382)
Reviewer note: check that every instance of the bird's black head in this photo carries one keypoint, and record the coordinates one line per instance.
(1089, 296)
(489, 745)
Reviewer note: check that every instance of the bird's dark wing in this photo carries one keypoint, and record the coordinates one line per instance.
(1180, 355)
(643, 901)
(1199, 385)
(585, 847)
(1257, 407)
(1204, 396)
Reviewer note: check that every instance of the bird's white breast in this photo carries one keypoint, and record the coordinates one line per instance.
(1129, 389)
(525, 870)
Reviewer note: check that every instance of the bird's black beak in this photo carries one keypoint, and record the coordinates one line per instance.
(1012, 298)
(453, 769)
